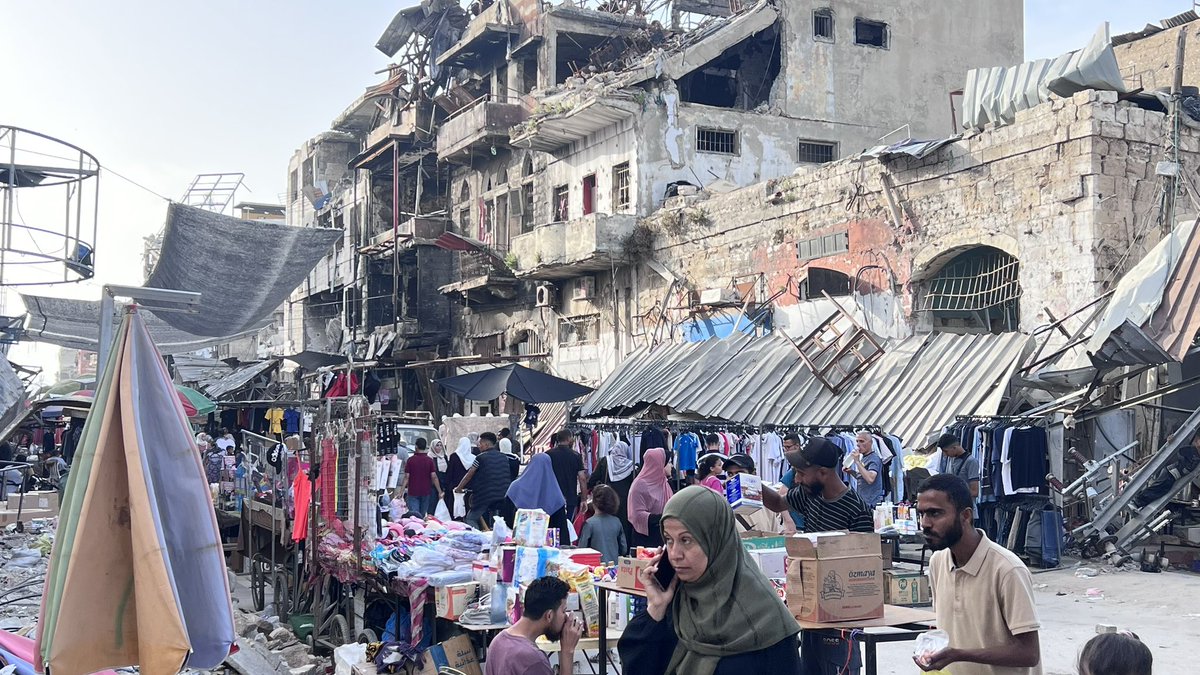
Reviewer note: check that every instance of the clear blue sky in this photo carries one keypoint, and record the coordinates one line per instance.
(160, 91)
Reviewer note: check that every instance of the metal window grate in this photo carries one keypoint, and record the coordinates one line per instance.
(621, 184)
(973, 283)
(561, 196)
(815, 152)
(716, 141)
(578, 330)
(823, 24)
(870, 33)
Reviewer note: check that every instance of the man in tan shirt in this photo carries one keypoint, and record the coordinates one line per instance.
(982, 592)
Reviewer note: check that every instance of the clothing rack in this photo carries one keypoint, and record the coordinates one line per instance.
(709, 425)
(1037, 420)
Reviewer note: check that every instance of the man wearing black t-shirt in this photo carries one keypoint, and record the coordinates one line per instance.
(568, 470)
(827, 505)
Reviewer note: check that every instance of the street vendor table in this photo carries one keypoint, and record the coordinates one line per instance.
(898, 624)
(489, 631)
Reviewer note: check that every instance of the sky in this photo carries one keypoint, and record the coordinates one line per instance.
(162, 91)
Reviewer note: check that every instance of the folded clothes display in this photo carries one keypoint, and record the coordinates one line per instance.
(411, 548)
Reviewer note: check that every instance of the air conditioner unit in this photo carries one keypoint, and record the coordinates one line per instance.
(545, 295)
(716, 296)
(585, 288)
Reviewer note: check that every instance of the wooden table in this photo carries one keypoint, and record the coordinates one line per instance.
(603, 588)
(900, 623)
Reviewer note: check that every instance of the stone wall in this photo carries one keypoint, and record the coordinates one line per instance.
(1067, 189)
(1149, 63)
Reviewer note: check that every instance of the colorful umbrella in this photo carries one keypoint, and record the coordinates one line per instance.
(137, 573)
(70, 386)
(194, 403)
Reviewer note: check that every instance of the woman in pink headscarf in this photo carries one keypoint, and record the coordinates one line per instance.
(648, 496)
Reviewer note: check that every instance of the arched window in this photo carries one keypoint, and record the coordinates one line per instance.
(527, 166)
(821, 280)
(978, 290)
(464, 193)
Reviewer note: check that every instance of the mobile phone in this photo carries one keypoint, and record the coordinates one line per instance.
(665, 573)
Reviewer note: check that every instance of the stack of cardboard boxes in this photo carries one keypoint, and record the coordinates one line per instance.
(35, 505)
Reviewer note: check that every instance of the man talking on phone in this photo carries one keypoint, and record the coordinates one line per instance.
(515, 652)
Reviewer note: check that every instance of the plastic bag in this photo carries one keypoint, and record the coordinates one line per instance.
(460, 505)
(441, 512)
(571, 531)
(928, 644)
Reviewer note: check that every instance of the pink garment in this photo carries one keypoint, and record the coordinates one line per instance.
(713, 483)
(650, 491)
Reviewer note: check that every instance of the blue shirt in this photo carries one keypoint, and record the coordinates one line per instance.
(789, 481)
(685, 452)
(871, 493)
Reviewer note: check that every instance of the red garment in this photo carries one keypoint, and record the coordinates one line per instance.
(302, 492)
(420, 468)
(328, 483)
(338, 387)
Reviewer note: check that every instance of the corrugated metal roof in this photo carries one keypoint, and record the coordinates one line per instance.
(228, 384)
(196, 368)
(918, 386)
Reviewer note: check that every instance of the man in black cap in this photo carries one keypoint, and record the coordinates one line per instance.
(826, 503)
(739, 463)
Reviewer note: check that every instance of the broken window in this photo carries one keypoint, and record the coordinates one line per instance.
(527, 166)
(501, 85)
(529, 74)
(621, 184)
(823, 24)
(870, 33)
(527, 207)
(559, 202)
(816, 152)
(821, 281)
(741, 77)
(589, 194)
(308, 172)
(578, 330)
(978, 290)
(716, 141)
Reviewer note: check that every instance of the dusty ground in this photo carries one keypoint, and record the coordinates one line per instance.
(1163, 609)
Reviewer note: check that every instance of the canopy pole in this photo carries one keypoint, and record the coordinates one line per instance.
(171, 301)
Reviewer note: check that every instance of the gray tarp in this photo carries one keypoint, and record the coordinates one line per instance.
(12, 394)
(243, 269)
(994, 95)
(75, 324)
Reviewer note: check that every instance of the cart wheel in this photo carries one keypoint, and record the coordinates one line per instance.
(339, 631)
(258, 586)
(367, 636)
(283, 592)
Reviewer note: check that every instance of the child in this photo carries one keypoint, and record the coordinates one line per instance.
(707, 472)
(398, 507)
(1115, 654)
(603, 531)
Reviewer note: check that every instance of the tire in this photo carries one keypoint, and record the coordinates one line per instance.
(258, 586)
(339, 631)
(282, 594)
(367, 636)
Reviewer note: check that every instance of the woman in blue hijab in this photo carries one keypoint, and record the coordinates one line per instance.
(537, 488)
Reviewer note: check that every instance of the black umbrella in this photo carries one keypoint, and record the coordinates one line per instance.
(522, 383)
(311, 360)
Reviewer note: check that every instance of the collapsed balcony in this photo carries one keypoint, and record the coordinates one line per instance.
(567, 249)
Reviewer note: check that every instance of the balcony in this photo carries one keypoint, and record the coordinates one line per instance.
(572, 248)
(477, 128)
(487, 35)
(413, 232)
(549, 132)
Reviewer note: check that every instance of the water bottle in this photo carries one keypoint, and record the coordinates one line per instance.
(498, 612)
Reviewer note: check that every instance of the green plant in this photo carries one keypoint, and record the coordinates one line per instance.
(511, 261)
(639, 243)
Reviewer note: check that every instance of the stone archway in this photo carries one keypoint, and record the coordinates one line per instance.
(931, 259)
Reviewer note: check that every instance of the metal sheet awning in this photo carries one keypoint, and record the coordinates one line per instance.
(917, 387)
(235, 381)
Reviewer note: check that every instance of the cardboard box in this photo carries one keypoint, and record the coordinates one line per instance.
(907, 589)
(9, 516)
(754, 540)
(1191, 534)
(451, 601)
(744, 492)
(34, 500)
(887, 551)
(457, 653)
(627, 571)
(834, 577)
(772, 561)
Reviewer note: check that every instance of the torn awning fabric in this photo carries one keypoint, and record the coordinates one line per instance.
(242, 269)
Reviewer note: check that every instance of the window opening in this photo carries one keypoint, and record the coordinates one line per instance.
(527, 167)
(578, 330)
(816, 152)
(820, 281)
(526, 207)
(716, 141)
(464, 193)
(501, 85)
(589, 194)
(870, 33)
(979, 289)
(530, 74)
(562, 194)
(823, 24)
(621, 185)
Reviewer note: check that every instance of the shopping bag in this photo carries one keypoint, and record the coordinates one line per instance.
(441, 512)
(571, 531)
(460, 505)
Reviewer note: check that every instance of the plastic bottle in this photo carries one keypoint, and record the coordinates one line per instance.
(498, 611)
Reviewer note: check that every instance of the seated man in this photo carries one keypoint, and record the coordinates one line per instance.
(514, 651)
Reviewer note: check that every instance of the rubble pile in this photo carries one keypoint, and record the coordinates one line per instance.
(23, 560)
(267, 646)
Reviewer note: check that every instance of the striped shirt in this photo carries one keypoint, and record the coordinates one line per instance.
(848, 512)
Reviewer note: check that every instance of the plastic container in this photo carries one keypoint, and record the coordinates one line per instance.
(498, 610)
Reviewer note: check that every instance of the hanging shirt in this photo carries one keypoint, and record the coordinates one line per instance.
(274, 418)
(291, 421)
(685, 452)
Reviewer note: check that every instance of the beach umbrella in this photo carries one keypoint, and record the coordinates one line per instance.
(523, 384)
(137, 572)
(65, 387)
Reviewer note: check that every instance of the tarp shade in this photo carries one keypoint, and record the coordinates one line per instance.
(523, 384)
(75, 324)
(310, 360)
(242, 269)
(12, 394)
(137, 571)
